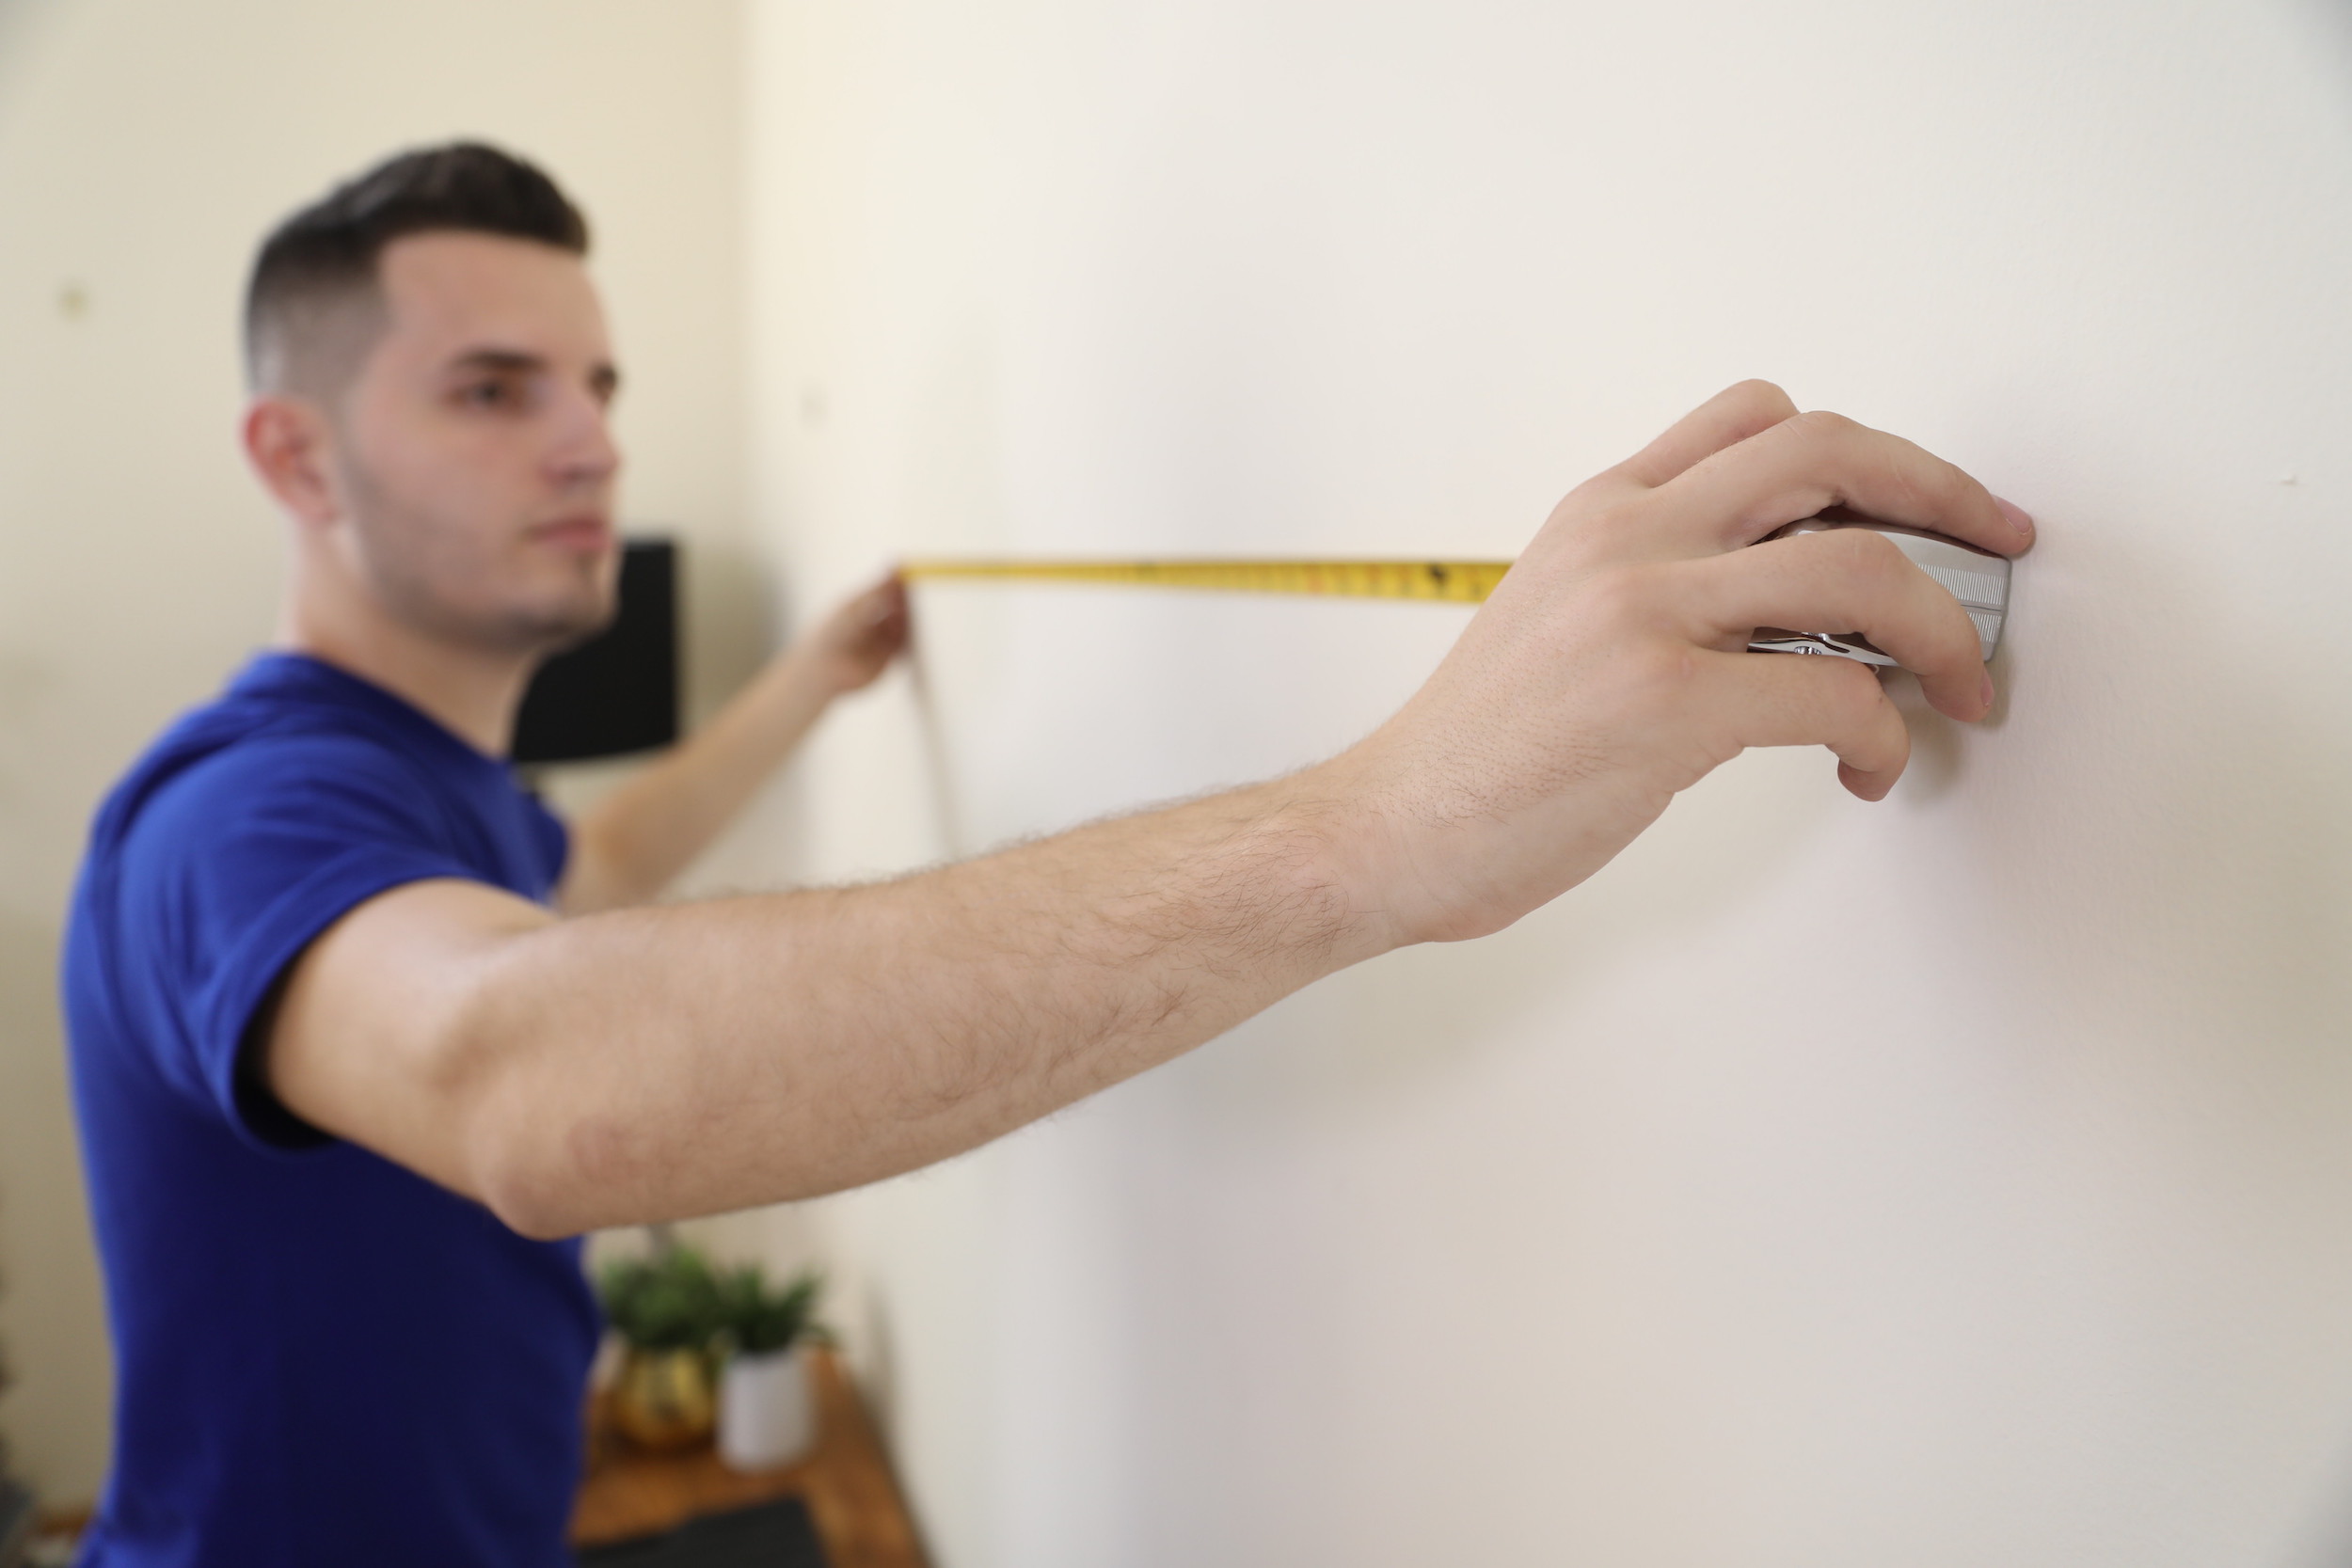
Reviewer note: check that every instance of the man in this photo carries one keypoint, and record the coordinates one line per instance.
(356, 1043)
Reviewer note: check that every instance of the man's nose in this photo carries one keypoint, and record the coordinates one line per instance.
(584, 452)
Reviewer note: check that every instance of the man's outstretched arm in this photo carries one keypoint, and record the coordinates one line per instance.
(653, 1063)
(664, 1062)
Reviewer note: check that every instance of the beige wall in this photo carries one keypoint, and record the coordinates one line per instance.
(144, 146)
(1955, 1181)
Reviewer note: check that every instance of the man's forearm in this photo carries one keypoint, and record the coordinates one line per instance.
(631, 846)
(654, 1063)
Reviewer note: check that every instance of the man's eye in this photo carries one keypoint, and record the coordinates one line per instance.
(491, 394)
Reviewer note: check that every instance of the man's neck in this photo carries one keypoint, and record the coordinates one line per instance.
(472, 693)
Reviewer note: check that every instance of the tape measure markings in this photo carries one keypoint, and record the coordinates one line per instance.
(1456, 582)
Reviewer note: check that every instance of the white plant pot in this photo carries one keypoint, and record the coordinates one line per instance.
(766, 1411)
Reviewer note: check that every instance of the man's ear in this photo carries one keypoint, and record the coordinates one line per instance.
(287, 441)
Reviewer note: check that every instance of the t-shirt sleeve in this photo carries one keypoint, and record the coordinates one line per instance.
(233, 868)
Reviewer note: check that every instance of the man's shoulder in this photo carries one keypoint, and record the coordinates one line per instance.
(296, 794)
(246, 755)
(248, 826)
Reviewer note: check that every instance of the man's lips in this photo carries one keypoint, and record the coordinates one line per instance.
(588, 535)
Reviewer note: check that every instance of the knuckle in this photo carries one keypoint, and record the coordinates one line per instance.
(1868, 557)
(1855, 695)
(1622, 598)
(1762, 396)
(1654, 676)
(1839, 699)
(1946, 483)
(1821, 425)
(1585, 529)
(1607, 520)
(1933, 483)
(1620, 530)
(1964, 649)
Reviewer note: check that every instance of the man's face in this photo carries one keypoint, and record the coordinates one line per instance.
(472, 449)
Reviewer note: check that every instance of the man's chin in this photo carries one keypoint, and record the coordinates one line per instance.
(560, 632)
(547, 627)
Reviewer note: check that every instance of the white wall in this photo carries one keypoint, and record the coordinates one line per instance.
(1965, 1180)
(145, 145)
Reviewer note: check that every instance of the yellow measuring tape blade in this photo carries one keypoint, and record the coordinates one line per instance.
(1461, 582)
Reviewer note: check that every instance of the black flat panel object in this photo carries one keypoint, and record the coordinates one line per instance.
(773, 1535)
(618, 691)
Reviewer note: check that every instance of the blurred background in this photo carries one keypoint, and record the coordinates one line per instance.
(144, 150)
(1965, 1180)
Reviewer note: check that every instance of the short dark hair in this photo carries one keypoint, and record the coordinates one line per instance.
(329, 250)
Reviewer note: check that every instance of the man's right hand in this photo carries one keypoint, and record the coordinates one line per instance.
(1609, 668)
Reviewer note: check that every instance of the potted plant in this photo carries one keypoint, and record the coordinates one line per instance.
(668, 1309)
(766, 1412)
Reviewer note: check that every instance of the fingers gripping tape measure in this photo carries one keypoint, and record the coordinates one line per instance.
(1978, 579)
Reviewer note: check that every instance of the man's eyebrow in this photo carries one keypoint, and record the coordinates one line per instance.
(497, 359)
(604, 375)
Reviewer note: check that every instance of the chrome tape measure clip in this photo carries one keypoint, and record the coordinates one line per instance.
(1977, 579)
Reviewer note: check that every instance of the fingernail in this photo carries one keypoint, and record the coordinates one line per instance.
(2018, 517)
(1988, 689)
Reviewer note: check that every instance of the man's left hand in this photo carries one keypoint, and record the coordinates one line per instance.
(852, 646)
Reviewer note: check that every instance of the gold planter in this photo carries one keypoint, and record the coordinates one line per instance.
(665, 1399)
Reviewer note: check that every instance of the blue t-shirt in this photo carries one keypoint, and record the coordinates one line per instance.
(320, 1357)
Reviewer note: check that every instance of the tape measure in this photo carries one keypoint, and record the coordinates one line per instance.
(1457, 581)
(1978, 577)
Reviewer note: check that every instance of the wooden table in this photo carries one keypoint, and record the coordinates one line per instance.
(846, 1481)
